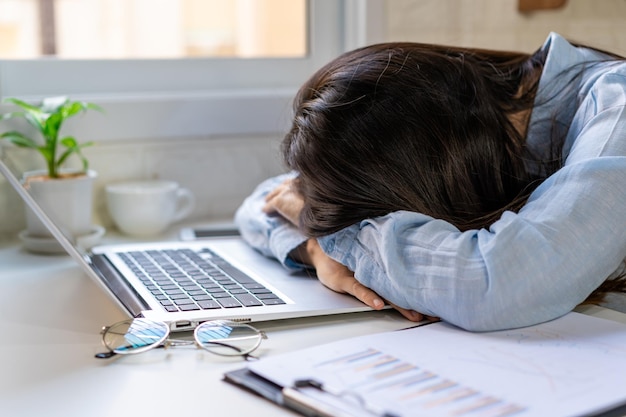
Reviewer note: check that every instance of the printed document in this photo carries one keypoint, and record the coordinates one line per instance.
(571, 366)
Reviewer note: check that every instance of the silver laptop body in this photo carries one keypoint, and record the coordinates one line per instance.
(109, 266)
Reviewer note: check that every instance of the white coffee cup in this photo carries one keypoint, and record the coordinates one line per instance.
(144, 208)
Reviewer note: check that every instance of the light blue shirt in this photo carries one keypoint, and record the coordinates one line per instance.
(528, 267)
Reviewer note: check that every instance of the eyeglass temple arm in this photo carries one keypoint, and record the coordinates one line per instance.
(109, 354)
(172, 342)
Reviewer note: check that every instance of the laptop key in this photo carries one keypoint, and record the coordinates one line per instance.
(260, 291)
(252, 286)
(228, 302)
(229, 287)
(182, 280)
(169, 287)
(268, 296)
(248, 300)
(177, 296)
(190, 287)
(188, 307)
(273, 301)
(209, 304)
(171, 308)
(215, 292)
(161, 278)
(222, 294)
(183, 302)
(202, 297)
(211, 286)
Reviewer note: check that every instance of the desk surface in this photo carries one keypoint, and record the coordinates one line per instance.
(51, 315)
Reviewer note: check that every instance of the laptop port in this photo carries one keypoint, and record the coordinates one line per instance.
(182, 324)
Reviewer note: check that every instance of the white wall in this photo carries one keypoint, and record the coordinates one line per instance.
(220, 171)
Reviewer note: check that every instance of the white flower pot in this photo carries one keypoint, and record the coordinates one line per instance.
(68, 201)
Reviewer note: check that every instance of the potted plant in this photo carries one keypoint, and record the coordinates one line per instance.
(66, 195)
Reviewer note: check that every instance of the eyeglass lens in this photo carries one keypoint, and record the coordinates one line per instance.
(227, 338)
(134, 336)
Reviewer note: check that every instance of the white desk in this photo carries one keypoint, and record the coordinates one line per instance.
(50, 317)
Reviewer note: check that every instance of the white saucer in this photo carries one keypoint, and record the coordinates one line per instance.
(48, 244)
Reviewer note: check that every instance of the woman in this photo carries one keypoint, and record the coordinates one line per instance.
(485, 188)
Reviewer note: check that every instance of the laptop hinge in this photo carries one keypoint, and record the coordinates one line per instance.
(118, 285)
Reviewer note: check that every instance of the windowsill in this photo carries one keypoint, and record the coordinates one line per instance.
(175, 115)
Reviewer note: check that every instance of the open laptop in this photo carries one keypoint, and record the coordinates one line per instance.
(222, 278)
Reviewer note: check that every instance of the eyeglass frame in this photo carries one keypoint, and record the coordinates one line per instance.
(166, 342)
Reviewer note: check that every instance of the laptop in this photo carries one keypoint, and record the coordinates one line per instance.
(185, 283)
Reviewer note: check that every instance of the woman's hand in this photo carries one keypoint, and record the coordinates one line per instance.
(339, 278)
(334, 275)
(286, 201)
(412, 314)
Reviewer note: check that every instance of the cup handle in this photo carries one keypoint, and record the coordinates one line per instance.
(185, 202)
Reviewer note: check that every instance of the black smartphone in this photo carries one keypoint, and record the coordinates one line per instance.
(208, 231)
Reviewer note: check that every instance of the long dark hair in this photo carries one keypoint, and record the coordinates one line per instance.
(406, 126)
(423, 128)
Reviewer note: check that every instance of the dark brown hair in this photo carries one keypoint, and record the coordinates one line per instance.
(422, 128)
(416, 127)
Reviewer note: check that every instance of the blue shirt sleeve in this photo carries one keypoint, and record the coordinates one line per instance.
(527, 268)
(273, 236)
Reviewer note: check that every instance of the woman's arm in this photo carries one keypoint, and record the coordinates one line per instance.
(271, 234)
(527, 268)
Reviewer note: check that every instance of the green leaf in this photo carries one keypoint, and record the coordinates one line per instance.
(52, 127)
(71, 109)
(92, 106)
(64, 156)
(22, 104)
(85, 162)
(86, 144)
(47, 154)
(69, 142)
(32, 114)
(19, 139)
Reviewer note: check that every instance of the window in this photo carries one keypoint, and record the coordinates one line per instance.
(88, 29)
(166, 97)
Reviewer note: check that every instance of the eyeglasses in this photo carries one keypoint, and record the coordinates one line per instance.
(222, 337)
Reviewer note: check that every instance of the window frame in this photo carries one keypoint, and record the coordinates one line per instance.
(158, 98)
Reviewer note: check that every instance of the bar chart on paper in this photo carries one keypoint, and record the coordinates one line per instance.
(568, 367)
(376, 378)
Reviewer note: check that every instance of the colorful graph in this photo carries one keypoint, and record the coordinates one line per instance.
(378, 378)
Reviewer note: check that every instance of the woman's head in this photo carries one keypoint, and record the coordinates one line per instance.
(407, 126)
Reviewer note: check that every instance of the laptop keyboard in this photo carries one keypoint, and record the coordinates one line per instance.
(182, 280)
